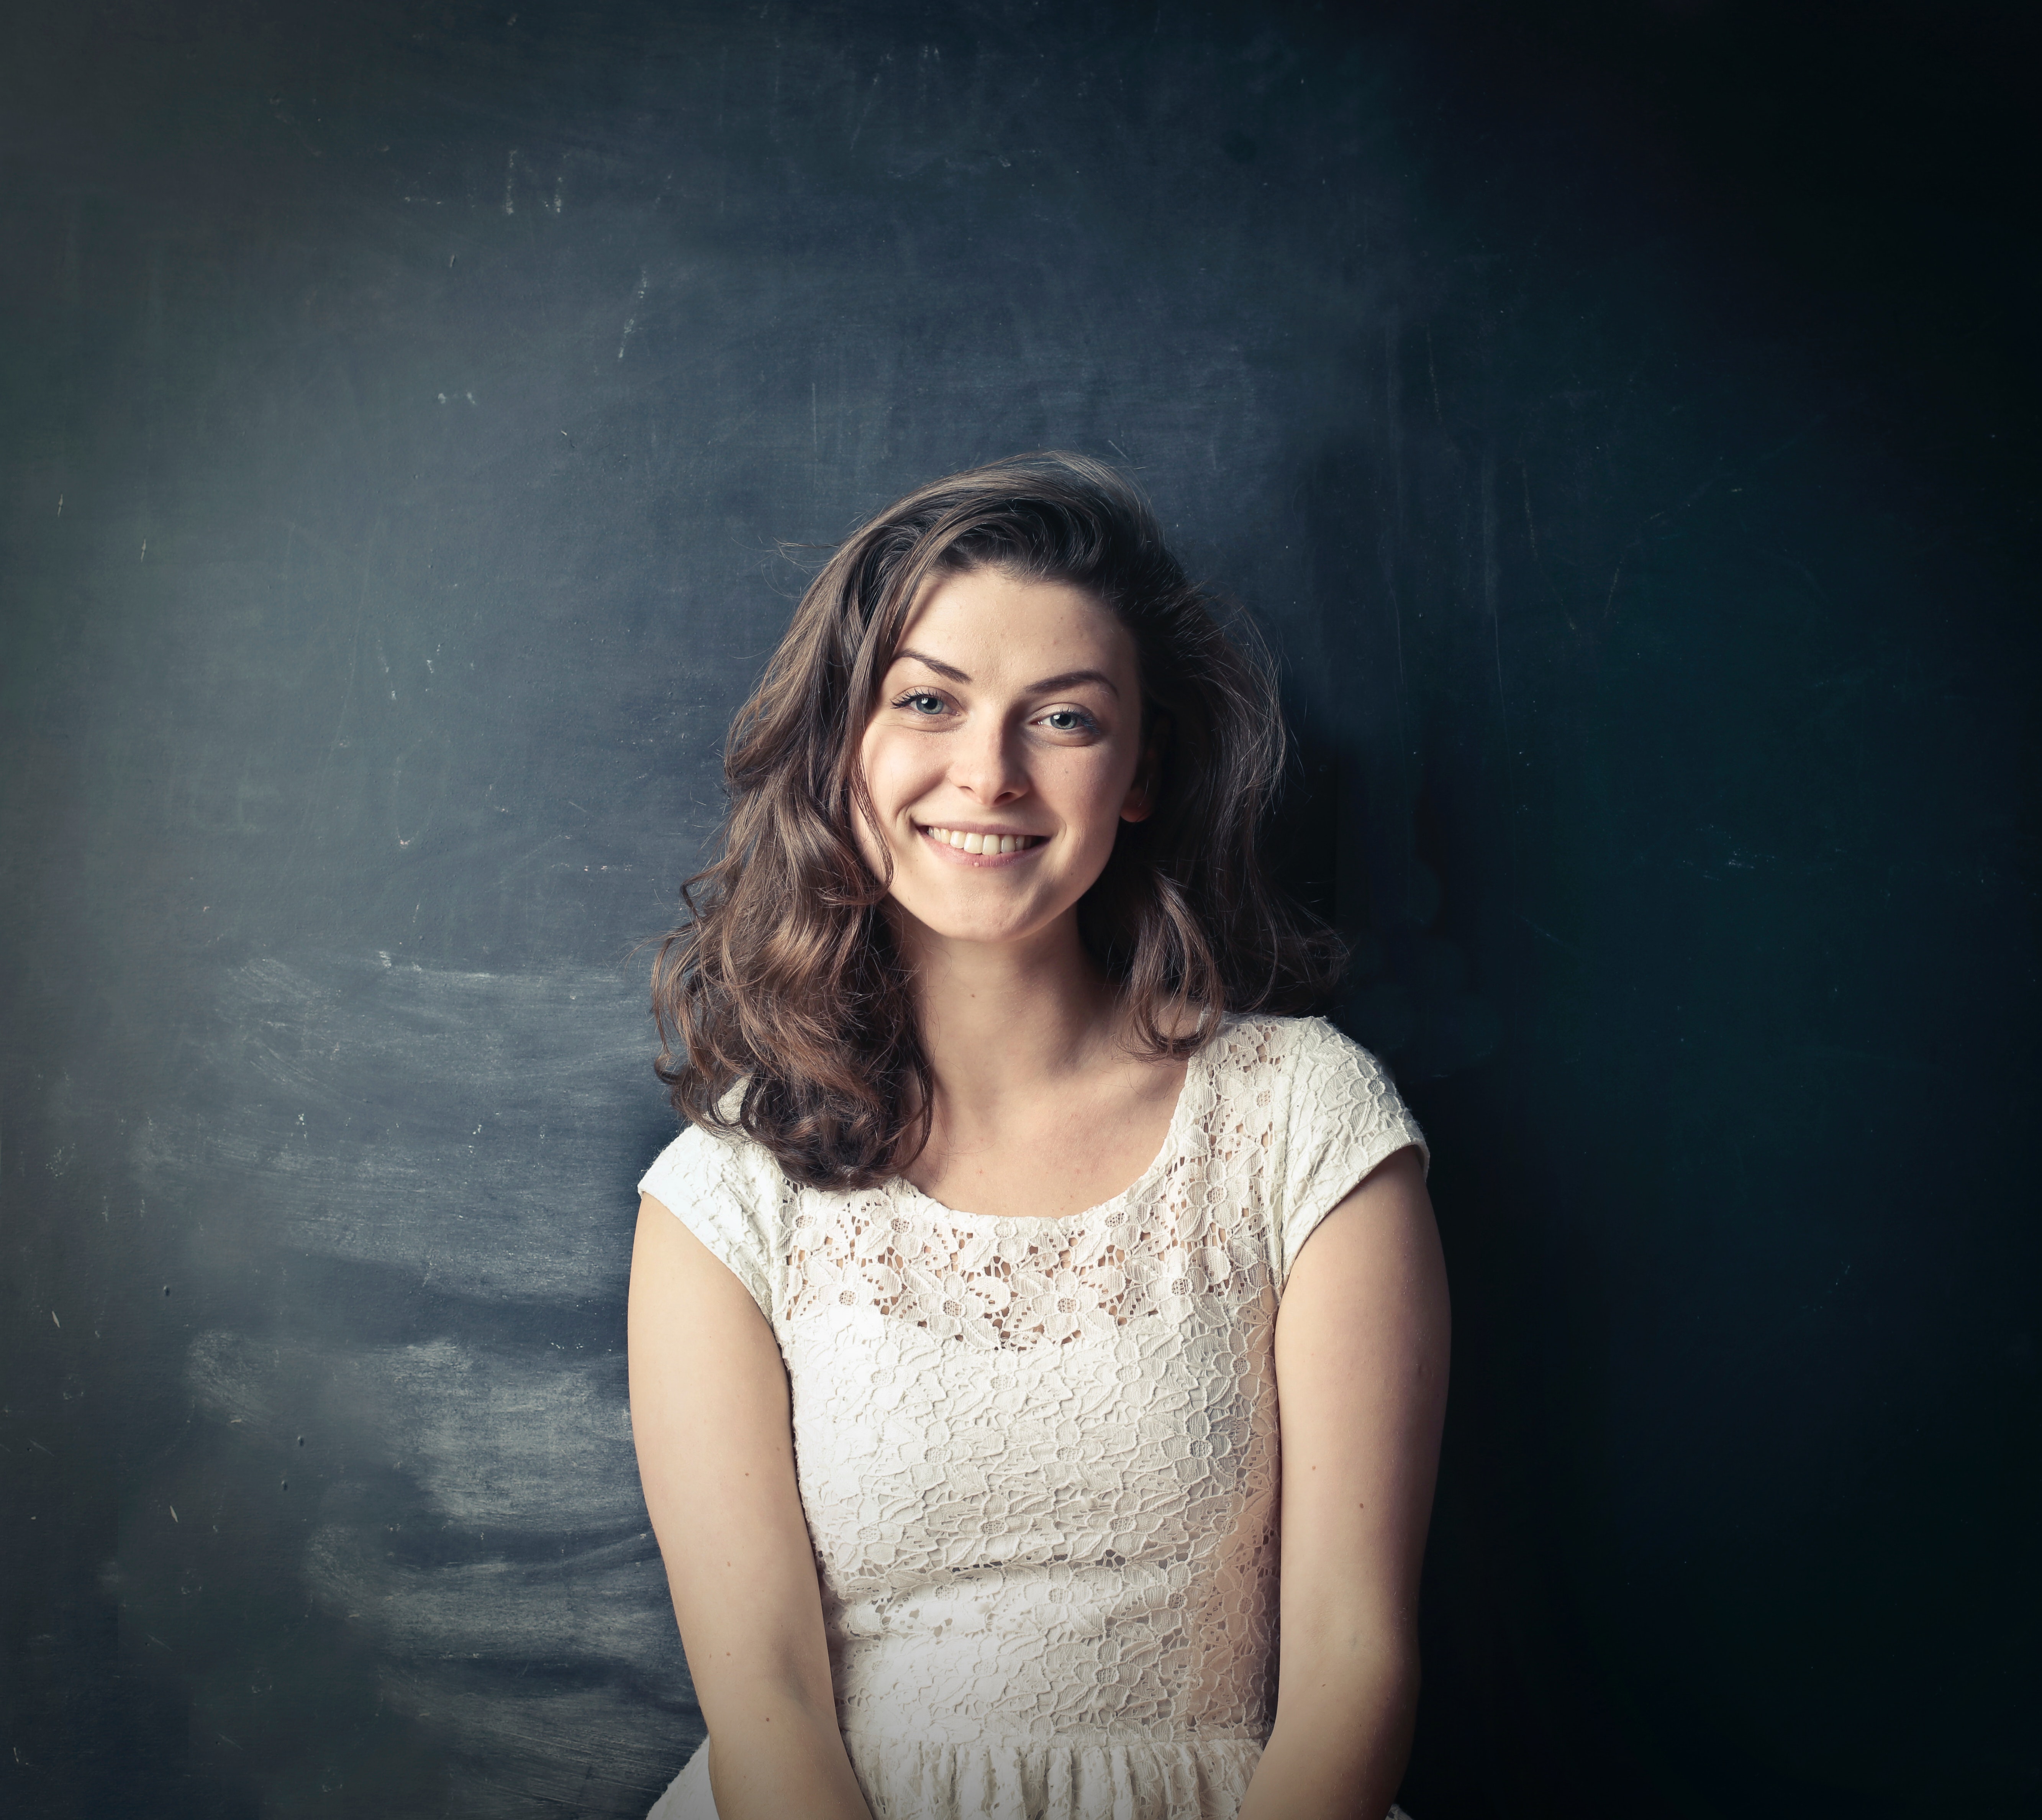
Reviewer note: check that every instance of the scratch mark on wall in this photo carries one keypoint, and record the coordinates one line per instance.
(872, 95)
(1804, 573)
(632, 322)
(1567, 947)
(1609, 603)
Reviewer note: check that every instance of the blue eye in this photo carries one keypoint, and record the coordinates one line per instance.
(921, 701)
(1067, 720)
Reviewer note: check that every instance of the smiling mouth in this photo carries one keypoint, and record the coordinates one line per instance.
(963, 842)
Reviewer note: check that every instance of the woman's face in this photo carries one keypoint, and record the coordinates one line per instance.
(1004, 754)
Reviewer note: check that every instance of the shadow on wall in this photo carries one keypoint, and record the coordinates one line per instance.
(1392, 586)
(1410, 997)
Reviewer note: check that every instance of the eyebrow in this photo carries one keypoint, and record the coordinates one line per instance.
(1067, 679)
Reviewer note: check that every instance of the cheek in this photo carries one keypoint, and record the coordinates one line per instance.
(899, 771)
(871, 764)
(881, 759)
(1100, 783)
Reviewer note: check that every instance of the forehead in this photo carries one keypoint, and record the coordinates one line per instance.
(994, 625)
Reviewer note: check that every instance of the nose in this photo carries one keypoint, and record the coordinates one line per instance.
(985, 762)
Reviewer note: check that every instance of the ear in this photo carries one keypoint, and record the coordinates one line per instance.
(1140, 803)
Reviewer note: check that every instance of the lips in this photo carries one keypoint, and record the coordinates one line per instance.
(982, 841)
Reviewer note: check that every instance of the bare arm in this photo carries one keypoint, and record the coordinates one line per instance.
(1361, 1368)
(711, 1415)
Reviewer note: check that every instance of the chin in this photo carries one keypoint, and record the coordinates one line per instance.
(975, 929)
(954, 922)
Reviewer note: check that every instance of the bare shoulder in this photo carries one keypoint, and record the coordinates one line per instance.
(678, 1282)
(1362, 1347)
(1384, 1221)
(709, 1393)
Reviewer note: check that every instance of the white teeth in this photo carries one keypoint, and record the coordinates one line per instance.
(983, 843)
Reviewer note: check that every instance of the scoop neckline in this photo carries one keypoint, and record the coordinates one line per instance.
(900, 1185)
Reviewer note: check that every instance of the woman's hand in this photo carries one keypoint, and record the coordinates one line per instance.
(710, 1415)
(1361, 1371)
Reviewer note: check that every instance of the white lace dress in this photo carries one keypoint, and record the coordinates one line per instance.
(1038, 1456)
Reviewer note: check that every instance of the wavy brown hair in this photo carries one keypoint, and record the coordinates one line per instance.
(785, 1009)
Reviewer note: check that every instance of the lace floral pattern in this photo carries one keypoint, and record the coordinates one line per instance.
(1027, 1283)
(1038, 1456)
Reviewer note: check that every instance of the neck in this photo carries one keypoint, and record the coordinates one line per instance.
(999, 1018)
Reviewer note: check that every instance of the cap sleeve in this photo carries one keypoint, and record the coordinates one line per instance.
(1344, 1116)
(717, 1188)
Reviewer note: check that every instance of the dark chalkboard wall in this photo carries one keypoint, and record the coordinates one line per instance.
(1615, 417)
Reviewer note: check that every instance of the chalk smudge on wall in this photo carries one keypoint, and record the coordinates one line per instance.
(429, 1175)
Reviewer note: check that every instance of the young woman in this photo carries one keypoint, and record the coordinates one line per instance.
(1008, 1204)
